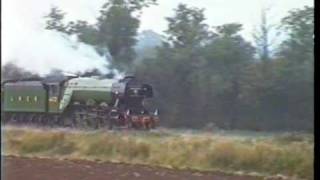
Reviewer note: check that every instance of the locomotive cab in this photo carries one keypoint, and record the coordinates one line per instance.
(53, 97)
(54, 87)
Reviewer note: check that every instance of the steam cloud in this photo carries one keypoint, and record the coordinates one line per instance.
(29, 45)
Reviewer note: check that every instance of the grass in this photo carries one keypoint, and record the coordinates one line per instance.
(288, 154)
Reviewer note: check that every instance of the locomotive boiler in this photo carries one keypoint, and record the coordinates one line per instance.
(79, 102)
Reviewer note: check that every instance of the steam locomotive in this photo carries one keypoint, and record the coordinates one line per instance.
(78, 102)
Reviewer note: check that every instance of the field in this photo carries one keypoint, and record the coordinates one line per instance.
(17, 168)
(260, 154)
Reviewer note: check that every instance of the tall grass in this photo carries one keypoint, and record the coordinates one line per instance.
(287, 154)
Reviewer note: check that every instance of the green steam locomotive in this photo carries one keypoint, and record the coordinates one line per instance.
(79, 102)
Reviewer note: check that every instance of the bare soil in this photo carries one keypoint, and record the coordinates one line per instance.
(20, 168)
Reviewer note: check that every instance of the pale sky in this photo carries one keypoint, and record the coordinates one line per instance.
(25, 41)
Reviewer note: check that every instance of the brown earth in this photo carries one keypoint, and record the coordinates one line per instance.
(18, 168)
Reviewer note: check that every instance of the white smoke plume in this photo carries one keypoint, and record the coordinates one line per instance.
(29, 45)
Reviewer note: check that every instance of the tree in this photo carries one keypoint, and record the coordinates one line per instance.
(55, 20)
(114, 33)
(299, 25)
(187, 27)
(188, 34)
(262, 37)
(228, 56)
(197, 75)
(117, 29)
(179, 60)
(132, 5)
(297, 70)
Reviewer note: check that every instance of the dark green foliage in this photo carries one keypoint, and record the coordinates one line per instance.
(299, 47)
(132, 5)
(297, 73)
(186, 28)
(207, 76)
(55, 18)
(262, 37)
(117, 29)
(86, 33)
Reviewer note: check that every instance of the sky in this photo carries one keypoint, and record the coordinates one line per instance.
(26, 42)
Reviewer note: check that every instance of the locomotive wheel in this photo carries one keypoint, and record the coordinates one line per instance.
(40, 120)
(79, 118)
(49, 120)
(95, 124)
(110, 123)
(101, 122)
(80, 122)
(12, 119)
(29, 119)
(19, 119)
(56, 120)
(129, 124)
(67, 122)
(6, 118)
(45, 120)
(37, 120)
(92, 122)
(62, 122)
(153, 125)
(32, 120)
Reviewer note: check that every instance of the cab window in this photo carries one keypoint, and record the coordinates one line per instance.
(54, 90)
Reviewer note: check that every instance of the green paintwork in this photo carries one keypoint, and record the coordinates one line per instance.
(20, 96)
(84, 89)
(85, 95)
(24, 99)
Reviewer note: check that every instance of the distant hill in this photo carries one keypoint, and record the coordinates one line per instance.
(148, 40)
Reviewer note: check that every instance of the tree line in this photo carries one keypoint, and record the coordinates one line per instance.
(211, 76)
(205, 76)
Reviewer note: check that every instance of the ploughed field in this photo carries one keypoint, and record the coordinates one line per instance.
(17, 168)
(236, 153)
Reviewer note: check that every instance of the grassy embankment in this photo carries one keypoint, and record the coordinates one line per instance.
(287, 154)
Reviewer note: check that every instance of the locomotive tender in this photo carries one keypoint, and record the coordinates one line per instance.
(78, 102)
